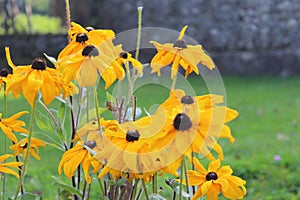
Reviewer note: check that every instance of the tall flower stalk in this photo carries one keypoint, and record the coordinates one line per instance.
(26, 159)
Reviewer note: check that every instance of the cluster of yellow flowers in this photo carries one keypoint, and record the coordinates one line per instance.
(183, 127)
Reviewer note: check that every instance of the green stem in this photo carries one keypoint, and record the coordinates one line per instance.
(68, 17)
(101, 186)
(186, 177)
(134, 189)
(97, 106)
(26, 159)
(87, 104)
(181, 176)
(5, 141)
(145, 188)
(138, 41)
(174, 81)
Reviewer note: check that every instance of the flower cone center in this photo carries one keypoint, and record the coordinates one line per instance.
(39, 64)
(124, 55)
(81, 37)
(181, 44)
(132, 135)
(187, 99)
(211, 176)
(4, 72)
(182, 122)
(91, 144)
(89, 28)
(90, 51)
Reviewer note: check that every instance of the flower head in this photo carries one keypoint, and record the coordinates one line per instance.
(8, 125)
(5, 167)
(194, 124)
(215, 180)
(3, 74)
(81, 37)
(180, 53)
(80, 154)
(21, 147)
(126, 150)
(84, 67)
(34, 78)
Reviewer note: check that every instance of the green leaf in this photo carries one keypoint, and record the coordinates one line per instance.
(62, 113)
(92, 114)
(30, 196)
(155, 196)
(50, 58)
(110, 98)
(67, 187)
(43, 122)
(64, 195)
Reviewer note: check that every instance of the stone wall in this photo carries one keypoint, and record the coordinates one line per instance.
(249, 37)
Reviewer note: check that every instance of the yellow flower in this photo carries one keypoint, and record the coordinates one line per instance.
(123, 57)
(180, 53)
(21, 147)
(81, 37)
(85, 66)
(194, 124)
(215, 180)
(126, 150)
(4, 167)
(3, 74)
(8, 125)
(77, 155)
(34, 78)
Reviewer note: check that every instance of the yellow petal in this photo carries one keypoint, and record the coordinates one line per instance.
(214, 165)
(8, 58)
(9, 171)
(182, 32)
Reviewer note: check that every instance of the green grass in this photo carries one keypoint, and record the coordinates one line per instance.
(268, 125)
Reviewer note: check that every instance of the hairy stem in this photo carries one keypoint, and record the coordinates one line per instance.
(26, 159)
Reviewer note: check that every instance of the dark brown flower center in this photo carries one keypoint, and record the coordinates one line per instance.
(124, 55)
(90, 51)
(39, 64)
(4, 72)
(181, 44)
(24, 146)
(91, 144)
(89, 28)
(81, 37)
(132, 135)
(187, 99)
(182, 122)
(211, 176)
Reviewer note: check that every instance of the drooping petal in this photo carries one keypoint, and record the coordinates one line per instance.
(214, 165)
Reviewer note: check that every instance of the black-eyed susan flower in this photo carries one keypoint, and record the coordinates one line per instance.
(80, 154)
(85, 66)
(34, 78)
(6, 166)
(126, 151)
(215, 180)
(22, 147)
(125, 58)
(81, 37)
(3, 74)
(194, 124)
(180, 53)
(8, 125)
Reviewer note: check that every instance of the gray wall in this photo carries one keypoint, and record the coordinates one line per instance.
(247, 37)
